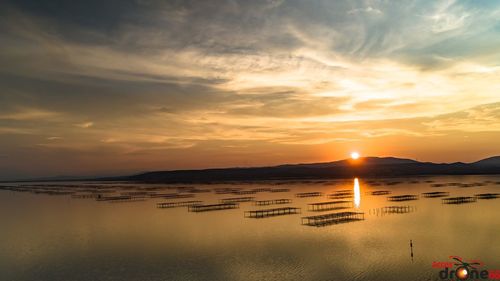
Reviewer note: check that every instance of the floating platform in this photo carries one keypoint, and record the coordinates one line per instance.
(329, 205)
(344, 192)
(272, 212)
(85, 196)
(388, 210)
(406, 197)
(178, 204)
(273, 202)
(212, 207)
(225, 190)
(98, 191)
(473, 184)
(459, 200)
(171, 195)
(397, 209)
(244, 192)
(237, 199)
(341, 194)
(52, 192)
(136, 193)
(393, 182)
(436, 194)
(333, 218)
(381, 192)
(438, 185)
(279, 190)
(263, 189)
(487, 195)
(198, 190)
(114, 198)
(309, 194)
(13, 188)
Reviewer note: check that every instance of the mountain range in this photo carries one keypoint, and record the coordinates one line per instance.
(362, 167)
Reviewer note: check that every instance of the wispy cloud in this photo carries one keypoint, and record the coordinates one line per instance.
(85, 125)
(28, 114)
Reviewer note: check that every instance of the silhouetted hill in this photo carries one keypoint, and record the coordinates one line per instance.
(363, 167)
(366, 161)
(492, 161)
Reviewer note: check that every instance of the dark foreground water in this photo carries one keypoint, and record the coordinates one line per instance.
(44, 236)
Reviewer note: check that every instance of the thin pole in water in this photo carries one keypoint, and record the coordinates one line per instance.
(411, 249)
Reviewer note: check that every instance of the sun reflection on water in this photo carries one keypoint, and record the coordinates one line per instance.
(357, 194)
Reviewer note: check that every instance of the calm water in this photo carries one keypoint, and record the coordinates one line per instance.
(48, 237)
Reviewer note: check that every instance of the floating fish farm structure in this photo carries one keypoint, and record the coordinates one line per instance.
(459, 200)
(333, 218)
(397, 209)
(164, 205)
(435, 194)
(329, 205)
(309, 194)
(212, 207)
(381, 192)
(406, 197)
(244, 192)
(341, 195)
(272, 212)
(237, 199)
(171, 195)
(262, 189)
(487, 195)
(273, 202)
(114, 198)
(280, 190)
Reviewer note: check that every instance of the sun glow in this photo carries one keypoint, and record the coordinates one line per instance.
(354, 155)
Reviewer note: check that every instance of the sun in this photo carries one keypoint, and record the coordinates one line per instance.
(354, 155)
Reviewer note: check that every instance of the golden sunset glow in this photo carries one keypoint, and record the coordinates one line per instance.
(163, 86)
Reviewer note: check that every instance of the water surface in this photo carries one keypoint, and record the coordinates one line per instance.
(57, 237)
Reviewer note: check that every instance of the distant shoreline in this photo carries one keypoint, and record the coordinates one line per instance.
(368, 167)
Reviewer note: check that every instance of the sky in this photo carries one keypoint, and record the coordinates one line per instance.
(117, 87)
